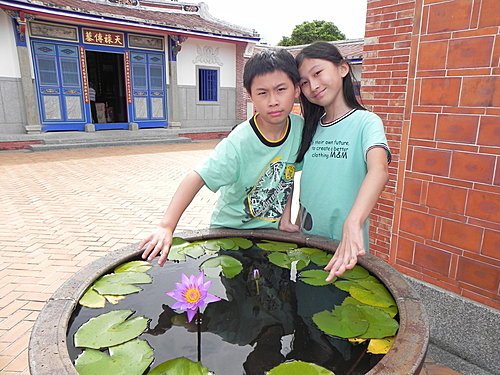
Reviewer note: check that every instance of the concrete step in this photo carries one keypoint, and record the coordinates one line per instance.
(105, 143)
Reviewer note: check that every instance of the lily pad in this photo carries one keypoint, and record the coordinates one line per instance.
(113, 299)
(299, 368)
(132, 357)
(372, 293)
(391, 310)
(227, 244)
(276, 246)
(315, 277)
(380, 346)
(357, 272)
(175, 253)
(134, 266)
(110, 329)
(121, 283)
(380, 323)
(241, 242)
(92, 299)
(180, 366)
(229, 266)
(284, 260)
(193, 250)
(344, 321)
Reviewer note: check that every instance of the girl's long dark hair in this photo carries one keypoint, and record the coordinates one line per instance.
(312, 112)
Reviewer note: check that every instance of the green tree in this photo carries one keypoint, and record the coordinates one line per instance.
(312, 31)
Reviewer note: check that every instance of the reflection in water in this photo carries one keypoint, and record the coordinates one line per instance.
(264, 320)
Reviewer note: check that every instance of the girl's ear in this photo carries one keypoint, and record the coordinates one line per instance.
(344, 69)
(297, 91)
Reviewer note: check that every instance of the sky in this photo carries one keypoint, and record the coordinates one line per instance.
(273, 19)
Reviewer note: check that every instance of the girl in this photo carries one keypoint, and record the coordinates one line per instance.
(344, 152)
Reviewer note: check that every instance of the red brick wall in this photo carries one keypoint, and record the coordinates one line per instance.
(430, 70)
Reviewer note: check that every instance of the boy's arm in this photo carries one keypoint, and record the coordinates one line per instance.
(352, 244)
(161, 240)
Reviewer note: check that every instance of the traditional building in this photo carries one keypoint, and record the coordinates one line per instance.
(76, 65)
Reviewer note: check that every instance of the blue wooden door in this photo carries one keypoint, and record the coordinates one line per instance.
(59, 86)
(148, 89)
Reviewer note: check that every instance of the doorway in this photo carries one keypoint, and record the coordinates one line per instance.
(106, 75)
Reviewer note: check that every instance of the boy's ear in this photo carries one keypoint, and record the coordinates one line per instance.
(297, 91)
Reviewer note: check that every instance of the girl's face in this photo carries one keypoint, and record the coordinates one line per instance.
(321, 81)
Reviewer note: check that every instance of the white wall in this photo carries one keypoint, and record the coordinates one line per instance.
(202, 52)
(9, 63)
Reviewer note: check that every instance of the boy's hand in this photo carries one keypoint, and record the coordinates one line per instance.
(287, 226)
(157, 243)
(346, 255)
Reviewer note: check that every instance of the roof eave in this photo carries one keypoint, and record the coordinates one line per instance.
(109, 19)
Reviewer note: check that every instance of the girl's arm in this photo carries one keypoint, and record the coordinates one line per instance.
(161, 240)
(352, 244)
(286, 224)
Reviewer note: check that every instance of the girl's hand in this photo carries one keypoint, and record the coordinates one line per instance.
(157, 243)
(346, 256)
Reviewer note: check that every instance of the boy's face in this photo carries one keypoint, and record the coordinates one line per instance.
(273, 95)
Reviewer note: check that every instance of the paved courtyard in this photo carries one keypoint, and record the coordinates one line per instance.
(60, 210)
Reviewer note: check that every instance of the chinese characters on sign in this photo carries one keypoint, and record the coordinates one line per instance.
(83, 62)
(127, 78)
(103, 37)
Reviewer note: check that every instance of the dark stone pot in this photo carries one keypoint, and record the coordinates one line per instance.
(48, 353)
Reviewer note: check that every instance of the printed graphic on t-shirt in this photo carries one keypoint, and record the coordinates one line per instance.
(330, 149)
(267, 199)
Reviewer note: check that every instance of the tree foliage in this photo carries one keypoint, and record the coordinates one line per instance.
(312, 31)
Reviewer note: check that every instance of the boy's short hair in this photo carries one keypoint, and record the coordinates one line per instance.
(268, 61)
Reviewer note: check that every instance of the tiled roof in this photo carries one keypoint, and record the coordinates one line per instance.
(184, 17)
(351, 49)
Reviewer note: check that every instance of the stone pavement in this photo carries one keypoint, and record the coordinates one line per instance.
(60, 210)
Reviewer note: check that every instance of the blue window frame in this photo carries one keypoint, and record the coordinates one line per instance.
(208, 85)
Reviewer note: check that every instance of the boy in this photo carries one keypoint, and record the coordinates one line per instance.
(254, 166)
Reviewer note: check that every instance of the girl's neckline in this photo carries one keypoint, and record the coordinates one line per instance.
(337, 120)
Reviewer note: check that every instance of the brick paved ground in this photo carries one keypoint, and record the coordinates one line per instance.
(61, 210)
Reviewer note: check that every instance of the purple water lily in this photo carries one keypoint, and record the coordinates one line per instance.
(192, 294)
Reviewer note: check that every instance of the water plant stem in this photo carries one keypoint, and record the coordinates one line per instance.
(198, 324)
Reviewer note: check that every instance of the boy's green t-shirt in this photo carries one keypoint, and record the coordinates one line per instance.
(333, 170)
(253, 175)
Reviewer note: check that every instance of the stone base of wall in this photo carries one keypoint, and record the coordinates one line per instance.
(12, 113)
(462, 331)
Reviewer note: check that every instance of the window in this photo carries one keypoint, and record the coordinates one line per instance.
(208, 85)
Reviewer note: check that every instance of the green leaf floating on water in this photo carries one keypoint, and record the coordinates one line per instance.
(276, 246)
(194, 250)
(357, 272)
(110, 329)
(227, 244)
(175, 253)
(92, 299)
(381, 324)
(134, 266)
(180, 366)
(391, 310)
(285, 260)
(299, 368)
(130, 358)
(373, 293)
(230, 266)
(241, 242)
(315, 277)
(344, 321)
(119, 284)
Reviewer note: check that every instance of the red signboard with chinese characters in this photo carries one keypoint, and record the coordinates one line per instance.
(83, 63)
(103, 37)
(127, 78)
